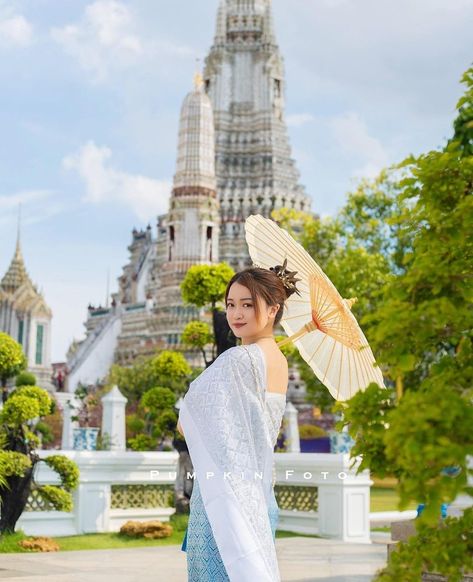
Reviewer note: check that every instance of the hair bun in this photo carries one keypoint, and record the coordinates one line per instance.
(287, 277)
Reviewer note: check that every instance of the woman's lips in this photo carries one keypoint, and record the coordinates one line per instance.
(239, 324)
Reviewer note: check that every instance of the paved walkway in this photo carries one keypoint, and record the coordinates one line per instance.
(300, 560)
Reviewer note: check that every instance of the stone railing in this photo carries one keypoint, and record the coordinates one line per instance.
(114, 487)
(316, 493)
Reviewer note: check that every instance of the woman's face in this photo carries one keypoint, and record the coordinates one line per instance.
(241, 314)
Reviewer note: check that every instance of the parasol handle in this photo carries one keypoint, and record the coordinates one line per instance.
(307, 328)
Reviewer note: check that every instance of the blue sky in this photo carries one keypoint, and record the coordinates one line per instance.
(89, 109)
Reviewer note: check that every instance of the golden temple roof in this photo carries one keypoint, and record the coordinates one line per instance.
(16, 275)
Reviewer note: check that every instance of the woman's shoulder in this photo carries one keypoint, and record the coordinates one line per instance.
(233, 353)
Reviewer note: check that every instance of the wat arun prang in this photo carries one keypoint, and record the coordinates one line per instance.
(234, 159)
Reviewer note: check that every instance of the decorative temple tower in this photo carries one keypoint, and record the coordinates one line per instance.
(244, 78)
(191, 228)
(26, 317)
(234, 159)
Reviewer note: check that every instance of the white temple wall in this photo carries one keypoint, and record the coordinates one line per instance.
(243, 77)
(97, 358)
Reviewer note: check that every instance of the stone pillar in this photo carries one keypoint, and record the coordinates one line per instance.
(292, 428)
(67, 402)
(344, 502)
(113, 419)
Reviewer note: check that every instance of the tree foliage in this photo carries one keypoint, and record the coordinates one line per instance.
(168, 369)
(154, 421)
(198, 335)
(21, 413)
(25, 379)
(420, 329)
(12, 360)
(463, 124)
(447, 548)
(206, 284)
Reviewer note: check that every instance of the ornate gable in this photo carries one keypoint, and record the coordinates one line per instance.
(27, 299)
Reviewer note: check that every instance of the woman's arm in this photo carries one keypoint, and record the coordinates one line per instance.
(179, 428)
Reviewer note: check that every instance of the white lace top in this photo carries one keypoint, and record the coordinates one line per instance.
(274, 412)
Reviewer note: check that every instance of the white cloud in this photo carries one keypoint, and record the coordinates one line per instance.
(144, 196)
(12, 201)
(353, 138)
(107, 39)
(299, 119)
(36, 206)
(15, 30)
(103, 40)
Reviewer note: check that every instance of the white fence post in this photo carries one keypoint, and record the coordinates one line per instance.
(344, 503)
(343, 500)
(113, 419)
(93, 507)
(65, 401)
(292, 428)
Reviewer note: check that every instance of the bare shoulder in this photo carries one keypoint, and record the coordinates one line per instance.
(276, 370)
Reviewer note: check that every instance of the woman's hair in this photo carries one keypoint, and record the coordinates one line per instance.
(265, 284)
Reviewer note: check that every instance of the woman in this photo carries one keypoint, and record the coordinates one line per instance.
(230, 418)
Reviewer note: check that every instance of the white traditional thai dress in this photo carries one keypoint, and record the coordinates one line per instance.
(231, 425)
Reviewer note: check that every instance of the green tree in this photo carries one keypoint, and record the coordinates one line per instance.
(198, 335)
(25, 379)
(156, 420)
(205, 285)
(12, 361)
(21, 412)
(169, 369)
(421, 332)
(372, 216)
(463, 124)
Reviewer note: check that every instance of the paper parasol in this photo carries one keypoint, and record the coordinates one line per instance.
(318, 321)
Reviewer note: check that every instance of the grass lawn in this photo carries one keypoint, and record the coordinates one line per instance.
(9, 543)
(386, 499)
(383, 498)
(106, 541)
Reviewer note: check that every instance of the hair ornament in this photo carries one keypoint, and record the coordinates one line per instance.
(287, 277)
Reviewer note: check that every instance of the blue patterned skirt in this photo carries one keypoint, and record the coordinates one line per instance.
(204, 563)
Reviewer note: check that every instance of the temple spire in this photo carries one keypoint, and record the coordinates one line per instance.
(221, 28)
(248, 6)
(244, 79)
(196, 149)
(16, 274)
(18, 250)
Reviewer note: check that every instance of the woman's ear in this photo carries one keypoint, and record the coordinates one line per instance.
(275, 309)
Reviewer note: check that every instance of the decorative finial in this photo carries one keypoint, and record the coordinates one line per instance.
(18, 229)
(198, 79)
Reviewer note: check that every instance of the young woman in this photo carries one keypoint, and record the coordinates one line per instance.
(230, 418)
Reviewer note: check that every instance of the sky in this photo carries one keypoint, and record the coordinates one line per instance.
(90, 94)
